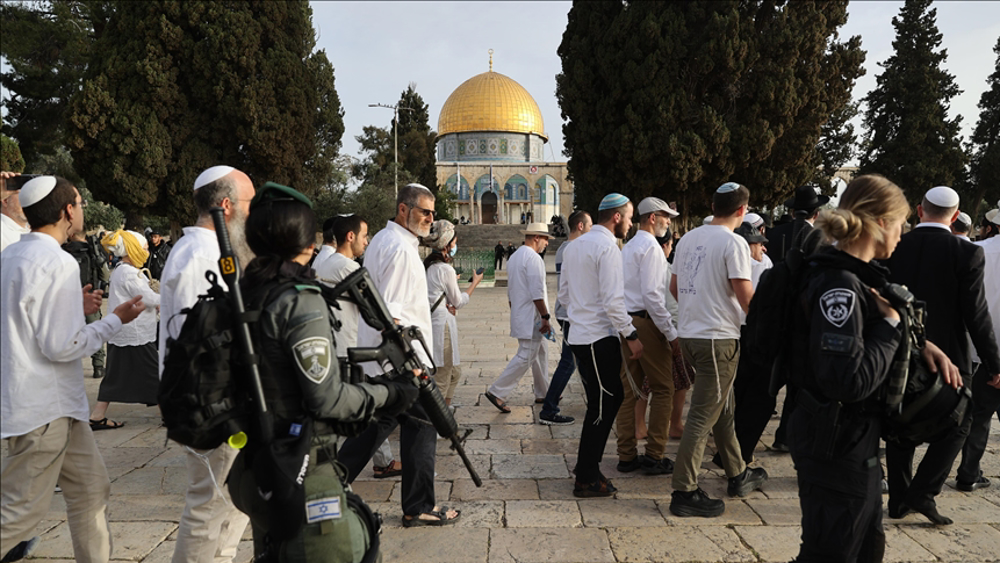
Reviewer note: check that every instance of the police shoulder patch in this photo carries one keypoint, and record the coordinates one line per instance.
(837, 305)
(313, 357)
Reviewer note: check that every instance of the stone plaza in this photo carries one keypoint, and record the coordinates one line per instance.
(526, 512)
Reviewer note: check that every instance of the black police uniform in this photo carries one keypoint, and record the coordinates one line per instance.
(301, 379)
(849, 347)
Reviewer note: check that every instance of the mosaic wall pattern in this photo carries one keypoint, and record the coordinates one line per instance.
(488, 146)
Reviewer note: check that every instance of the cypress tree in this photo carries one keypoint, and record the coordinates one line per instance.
(908, 136)
(985, 169)
(175, 87)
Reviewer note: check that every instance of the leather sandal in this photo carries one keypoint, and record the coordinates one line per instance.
(392, 470)
(441, 515)
(497, 402)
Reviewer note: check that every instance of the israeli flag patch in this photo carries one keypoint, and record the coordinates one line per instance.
(323, 509)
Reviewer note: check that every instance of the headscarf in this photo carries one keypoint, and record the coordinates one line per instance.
(130, 243)
(442, 233)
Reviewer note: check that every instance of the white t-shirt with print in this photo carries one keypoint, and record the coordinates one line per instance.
(707, 258)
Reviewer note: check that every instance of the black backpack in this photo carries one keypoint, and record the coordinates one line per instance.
(202, 396)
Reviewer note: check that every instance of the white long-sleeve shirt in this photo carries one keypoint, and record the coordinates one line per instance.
(592, 288)
(127, 282)
(525, 284)
(10, 231)
(183, 280)
(43, 336)
(395, 267)
(325, 252)
(332, 271)
(643, 267)
(441, 279)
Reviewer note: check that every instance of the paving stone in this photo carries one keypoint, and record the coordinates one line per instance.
(549, 545)
(174, 457)
(614, 513)
(374, 491)
(165, 551)
(126, 508)
(958, 542)
(129, 457)
(486, 413)
(451, 467)
(781, 487)
(772, 543)
(729, 541)
(542, 514)
(521, 431)
(900, 547)
(495, 446)
(141, 481)
(557, 489)
(529, 466)
(442, 491)
(175, 481)
(737, 513)
(112, 438)
(636, 486)
(495, 489)
(777, 512)
(968, 509)
(444, 544)
(132, 540)
(551, 447)
(653, 545)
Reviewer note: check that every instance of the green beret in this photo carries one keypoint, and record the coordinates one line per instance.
(276, 192)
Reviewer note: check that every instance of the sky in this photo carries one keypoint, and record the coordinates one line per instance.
(378, 48)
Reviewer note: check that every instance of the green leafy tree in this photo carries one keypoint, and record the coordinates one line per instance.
(10, 155)
(985, 169)
(908, 136)
(99, 215)
(837, 145)
(674, 98)
(175, 87)
(332, 199)
(47, 46)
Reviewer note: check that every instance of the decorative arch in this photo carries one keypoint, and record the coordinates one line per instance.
(484, 184)
(515, 188)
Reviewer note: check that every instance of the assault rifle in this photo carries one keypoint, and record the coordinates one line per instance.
(398, 350)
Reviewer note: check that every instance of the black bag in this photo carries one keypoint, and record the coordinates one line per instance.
(201, 401)
(280, 470)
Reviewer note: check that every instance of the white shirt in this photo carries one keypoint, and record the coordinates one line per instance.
(332, 271)
(757, 270)
(991, 280)
(525, 284)
(325, 252)
(707, 258)
(560, 312)
(395, 267)
(127, 282)
(441, 279)
(592, 288)
(643, 267)
(183, 280)
(669, 297)
(10, 231)
(43, 336)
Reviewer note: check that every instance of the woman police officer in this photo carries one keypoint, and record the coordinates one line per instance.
(304, 388)
(849, 334)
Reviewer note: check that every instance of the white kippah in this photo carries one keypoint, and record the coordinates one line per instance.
(708, 219)
(211, 175)
(964, 219)
(36, 189)
(753, 219)
(942, 196)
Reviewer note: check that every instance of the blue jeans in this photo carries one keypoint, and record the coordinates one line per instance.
(561, 376)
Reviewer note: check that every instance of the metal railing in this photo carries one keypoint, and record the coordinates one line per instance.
(467, 261)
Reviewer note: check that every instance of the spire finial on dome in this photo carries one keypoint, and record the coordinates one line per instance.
(491, 60)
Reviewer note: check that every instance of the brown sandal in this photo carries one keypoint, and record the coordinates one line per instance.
(394, 469)
(497, 402)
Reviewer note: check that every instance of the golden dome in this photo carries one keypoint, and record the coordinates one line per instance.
(490, 102)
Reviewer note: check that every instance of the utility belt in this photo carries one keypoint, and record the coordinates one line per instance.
(641, 314)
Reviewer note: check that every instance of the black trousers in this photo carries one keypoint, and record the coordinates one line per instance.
(600, 364)
(985, 403)
(839, 528)
(754, 403)
(417, 446)
(926, 484)
(497, 261)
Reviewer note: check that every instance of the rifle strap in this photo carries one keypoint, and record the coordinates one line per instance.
(438, 302)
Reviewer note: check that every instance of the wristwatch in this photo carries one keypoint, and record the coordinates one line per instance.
(633, 336)
(546, 317)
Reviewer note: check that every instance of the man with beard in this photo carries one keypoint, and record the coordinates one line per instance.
(592, 287)
(398, 273)
(644, 267)
(211, 527)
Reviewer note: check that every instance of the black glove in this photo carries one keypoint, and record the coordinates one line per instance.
(402, 394)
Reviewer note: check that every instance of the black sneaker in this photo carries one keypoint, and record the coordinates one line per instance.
(20, 550)
(555, 420)
(980, 483)
(98, 373)
(695, 503)
(750, 480)
(661, 466)
(779, 447)
(630, 466)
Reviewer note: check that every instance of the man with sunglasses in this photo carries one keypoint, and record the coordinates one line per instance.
(44, 410)
(398, 273)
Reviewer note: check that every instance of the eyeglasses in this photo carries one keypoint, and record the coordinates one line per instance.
(82, 203)
(424, 212)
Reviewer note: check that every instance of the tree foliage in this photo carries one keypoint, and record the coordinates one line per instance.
(10, 155)
(908, 136)
(985, 169)
(47, 47)
(674, 98)
(173, 88)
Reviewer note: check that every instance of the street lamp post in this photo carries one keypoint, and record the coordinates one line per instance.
(395, 139)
